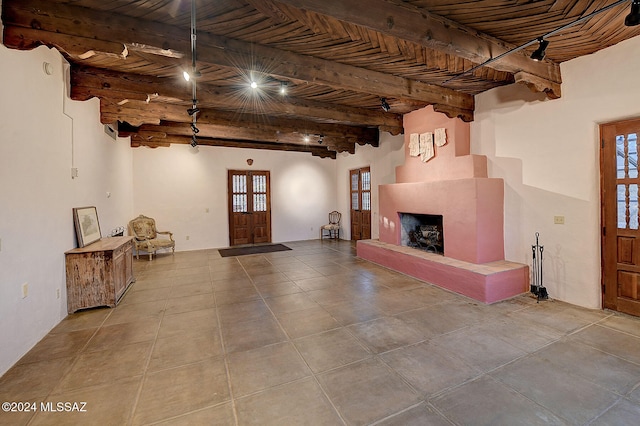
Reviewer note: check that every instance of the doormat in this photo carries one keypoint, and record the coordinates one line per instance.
(242, 251)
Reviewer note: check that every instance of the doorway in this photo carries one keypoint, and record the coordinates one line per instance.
(249, 207)
(360, 184)
(619, 183)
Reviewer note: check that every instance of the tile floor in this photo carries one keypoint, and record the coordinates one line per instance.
(317, 336)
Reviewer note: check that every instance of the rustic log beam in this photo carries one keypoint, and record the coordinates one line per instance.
(213, 131)
(75, 47)
(221, 51)
(92, 82)
(138, 112)
(537, 84)
(419, 26)
(319, 151)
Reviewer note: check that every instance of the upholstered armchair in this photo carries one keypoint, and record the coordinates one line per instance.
(146, 236)
(333, 227)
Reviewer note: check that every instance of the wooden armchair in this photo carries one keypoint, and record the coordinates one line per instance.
(146, 236)
(333, 227)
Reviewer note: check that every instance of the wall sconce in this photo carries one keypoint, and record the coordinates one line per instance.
(249, 161)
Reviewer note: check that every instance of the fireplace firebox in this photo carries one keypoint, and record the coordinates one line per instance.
(422, 231)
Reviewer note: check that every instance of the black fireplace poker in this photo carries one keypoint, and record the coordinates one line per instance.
(536, 285)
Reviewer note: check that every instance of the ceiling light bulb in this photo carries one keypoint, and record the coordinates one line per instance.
(283, 88)
(306, 138)
(186, 75)
(254, 85)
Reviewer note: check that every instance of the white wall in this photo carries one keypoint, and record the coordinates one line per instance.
(41, 133)
(383, 161)
(548, 153)
(177, 185)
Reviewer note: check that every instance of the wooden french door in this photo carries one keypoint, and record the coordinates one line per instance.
(249, 207)
(620, 180)
(360, 184)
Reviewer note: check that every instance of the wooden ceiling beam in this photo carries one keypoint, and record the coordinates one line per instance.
(121, 87)
(319, 151)
(145, 121)
(216, 50)
(231, 132)
(419, 26)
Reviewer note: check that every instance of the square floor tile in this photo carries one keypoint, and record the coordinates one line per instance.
(265, 367)
(487, 402)
(169, 393)
(298, 403)
(249, 335)
(557, 389)
(386, 333)
(306, 322)
(367, 391)
(428, 368)
(331, 349)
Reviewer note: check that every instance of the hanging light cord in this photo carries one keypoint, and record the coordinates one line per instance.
(193, 67)
(536, 40)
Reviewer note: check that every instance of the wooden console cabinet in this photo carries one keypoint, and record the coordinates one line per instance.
(99, 274)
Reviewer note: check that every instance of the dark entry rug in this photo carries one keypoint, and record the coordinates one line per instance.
(242, 251)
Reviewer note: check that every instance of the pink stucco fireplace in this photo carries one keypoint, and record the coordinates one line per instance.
(454, 185)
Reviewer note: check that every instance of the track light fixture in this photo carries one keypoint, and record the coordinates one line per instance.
(194, 141)
(384, 104)
(321, 139)
(539, 53)
(194, 128)
(633, 18)
(194, 110)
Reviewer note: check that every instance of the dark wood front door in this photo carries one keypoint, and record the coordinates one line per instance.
(360, 184)
(249, 207)
(620, 180)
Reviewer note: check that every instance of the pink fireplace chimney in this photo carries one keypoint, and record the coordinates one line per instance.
(453, 185)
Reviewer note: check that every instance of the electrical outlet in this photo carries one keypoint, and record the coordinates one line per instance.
(187, 238)
(74, 172)
(25, 290)
(558, 220)
(57, 293)
(206, 211)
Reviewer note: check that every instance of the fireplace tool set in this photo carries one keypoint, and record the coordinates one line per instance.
(536, 282)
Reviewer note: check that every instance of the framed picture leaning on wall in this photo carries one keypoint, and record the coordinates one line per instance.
(87, 226)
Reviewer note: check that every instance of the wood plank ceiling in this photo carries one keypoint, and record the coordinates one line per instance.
(336, 59)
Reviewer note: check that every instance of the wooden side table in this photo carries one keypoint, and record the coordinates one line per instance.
(99, 274)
